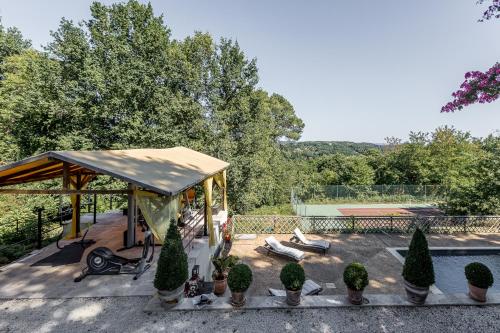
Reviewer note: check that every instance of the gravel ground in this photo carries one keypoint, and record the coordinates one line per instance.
(124, 314)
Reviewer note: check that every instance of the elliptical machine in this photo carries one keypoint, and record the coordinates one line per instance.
(102, 261)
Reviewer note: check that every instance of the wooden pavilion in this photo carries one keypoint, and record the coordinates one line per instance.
(149, 173)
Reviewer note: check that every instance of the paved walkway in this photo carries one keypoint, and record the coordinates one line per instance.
(124, 314)
(22, 280)
(370, 249)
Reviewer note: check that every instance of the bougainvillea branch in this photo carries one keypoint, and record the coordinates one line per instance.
(493, 10)
(478, 87)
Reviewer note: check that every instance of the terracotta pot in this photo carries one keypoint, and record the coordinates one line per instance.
(293, 297)
(355, 296)
(477, 294)
(169, 299)
(238, 298)
(416, 295)
(220, 286)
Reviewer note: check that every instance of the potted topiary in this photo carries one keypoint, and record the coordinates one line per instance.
(480, 279)
(239, 280)
(222, 265)
(418, 270)
(172, 270)
(356, 279)
(292, 276)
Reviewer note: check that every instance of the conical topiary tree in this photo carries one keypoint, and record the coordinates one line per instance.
(418, 268)
(172, 270)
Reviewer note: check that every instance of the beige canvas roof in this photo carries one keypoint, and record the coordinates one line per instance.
(165, 171)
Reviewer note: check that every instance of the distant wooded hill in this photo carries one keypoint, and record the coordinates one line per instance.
(311, 149)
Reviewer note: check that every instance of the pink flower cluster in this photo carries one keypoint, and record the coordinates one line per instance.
(478, 87)
(492, 11)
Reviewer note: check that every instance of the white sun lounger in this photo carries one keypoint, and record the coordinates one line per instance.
(300, 239)
(272, 245)
(309, 288)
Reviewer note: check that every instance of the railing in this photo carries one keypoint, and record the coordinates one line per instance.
(191, 228)
(20, 239)
(263, 224)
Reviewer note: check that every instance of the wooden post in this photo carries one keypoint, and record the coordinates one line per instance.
(78, 204)
(130, 218)
(66, 179)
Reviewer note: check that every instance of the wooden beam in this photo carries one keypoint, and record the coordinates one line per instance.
(30, 171)
(47, 173)
(22, 191)
(30, 180)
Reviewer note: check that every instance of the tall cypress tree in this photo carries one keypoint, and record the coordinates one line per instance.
(418, 268)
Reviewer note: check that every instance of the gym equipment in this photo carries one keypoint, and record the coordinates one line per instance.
(102, 261)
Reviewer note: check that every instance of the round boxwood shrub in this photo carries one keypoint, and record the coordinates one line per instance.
(418, 268)
(172, 270)
(239, 278)
(292, 276)
(479, 275)
(356, 276)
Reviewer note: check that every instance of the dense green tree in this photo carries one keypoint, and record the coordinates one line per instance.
(481, 193)
(118, 80)
(345, 170)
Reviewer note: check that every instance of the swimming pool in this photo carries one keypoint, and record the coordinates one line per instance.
(449, 266)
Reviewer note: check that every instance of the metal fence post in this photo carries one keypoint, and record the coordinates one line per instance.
(39, 229)
(95, 208)
(392, 225)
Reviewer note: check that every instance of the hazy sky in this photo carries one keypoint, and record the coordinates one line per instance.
(354, 70)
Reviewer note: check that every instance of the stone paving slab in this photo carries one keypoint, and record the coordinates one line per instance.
(315, 302)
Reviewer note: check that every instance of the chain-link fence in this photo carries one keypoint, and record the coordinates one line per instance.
(246, 224)
(367, 193)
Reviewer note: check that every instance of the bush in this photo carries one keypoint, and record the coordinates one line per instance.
(222, 264)
(292, 276)
(418, 268)
(479, 275)
(239, 278)
(172, 271)
(356, 276)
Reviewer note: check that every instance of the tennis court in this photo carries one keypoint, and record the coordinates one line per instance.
(367, 209)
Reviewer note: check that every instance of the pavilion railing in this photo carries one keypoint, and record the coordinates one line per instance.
(192, 226)
(268, 224)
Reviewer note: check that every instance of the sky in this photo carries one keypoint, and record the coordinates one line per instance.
(353, 70)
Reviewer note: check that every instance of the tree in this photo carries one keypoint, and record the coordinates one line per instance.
(345, 170)
(119, 81)
(172, 270)
(481, 194)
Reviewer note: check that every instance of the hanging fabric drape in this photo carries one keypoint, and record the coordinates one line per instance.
(220, 180)
(207, 188)
(158, 211)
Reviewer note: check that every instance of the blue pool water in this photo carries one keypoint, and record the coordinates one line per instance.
(449, 267)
